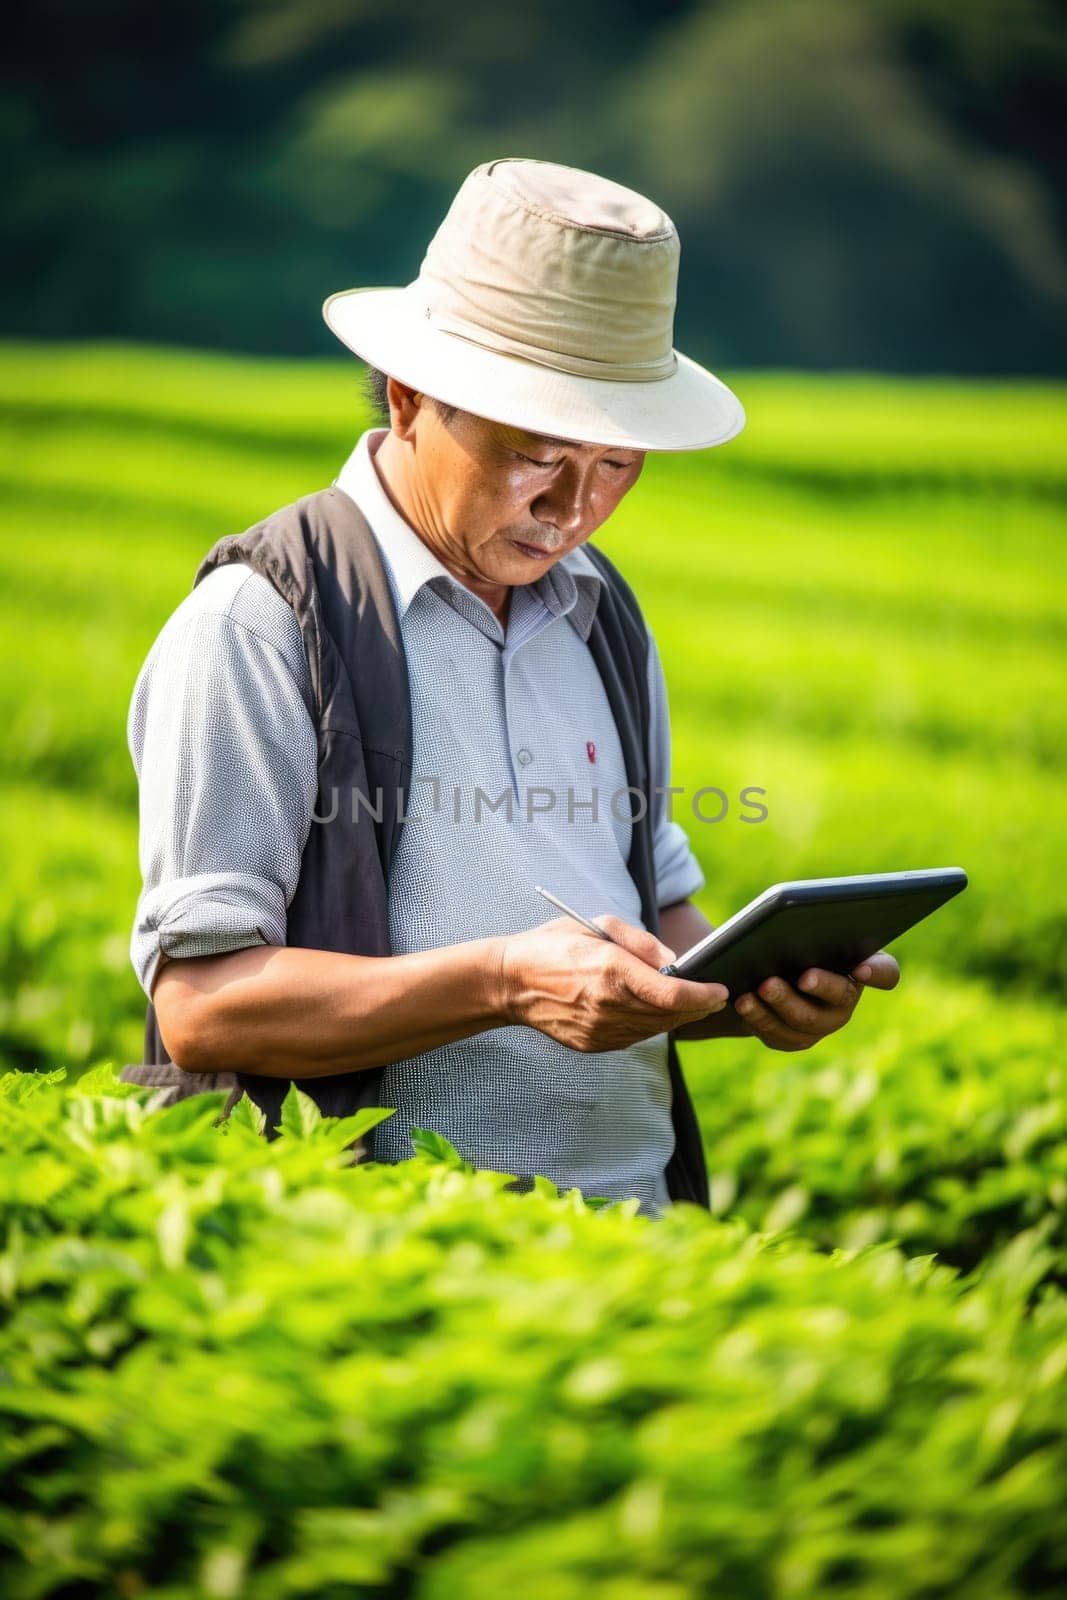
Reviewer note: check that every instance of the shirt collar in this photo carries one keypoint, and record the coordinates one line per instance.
(570, 587)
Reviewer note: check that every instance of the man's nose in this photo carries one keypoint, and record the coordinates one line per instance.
(565, 504)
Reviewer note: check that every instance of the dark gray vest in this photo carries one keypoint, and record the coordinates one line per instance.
(322, 558)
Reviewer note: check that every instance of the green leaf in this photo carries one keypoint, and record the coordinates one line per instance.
(103, 1079)
(246, 1114)
(194, 1111)
(300, 1115)
(32, 1180)
(173, 1232)
(18, 1085)
(435, 1147)
(346, 1130)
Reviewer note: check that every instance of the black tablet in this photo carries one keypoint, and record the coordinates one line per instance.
(833, 923)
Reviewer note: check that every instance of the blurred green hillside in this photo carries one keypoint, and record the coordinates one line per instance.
(879, 185)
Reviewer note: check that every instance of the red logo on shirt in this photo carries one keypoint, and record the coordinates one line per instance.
(590, 750)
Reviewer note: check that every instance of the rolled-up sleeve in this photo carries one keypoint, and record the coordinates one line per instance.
(678, 872)
(225, 751)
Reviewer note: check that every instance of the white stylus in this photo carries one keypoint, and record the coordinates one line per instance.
(577, 915)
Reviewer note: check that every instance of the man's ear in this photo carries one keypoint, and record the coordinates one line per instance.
(404, 406)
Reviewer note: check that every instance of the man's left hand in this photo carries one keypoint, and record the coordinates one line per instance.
(785, 1017)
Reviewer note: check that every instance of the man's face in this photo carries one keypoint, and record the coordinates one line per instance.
(502, 504)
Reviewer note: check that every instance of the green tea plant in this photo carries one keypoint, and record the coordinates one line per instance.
(229, 1366)
(940, 1124)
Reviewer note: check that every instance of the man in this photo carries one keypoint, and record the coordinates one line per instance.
(435, 619)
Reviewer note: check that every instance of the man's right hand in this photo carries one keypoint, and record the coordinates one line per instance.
(592, 995)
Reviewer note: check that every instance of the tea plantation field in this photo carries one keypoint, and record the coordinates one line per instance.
(232, 1367)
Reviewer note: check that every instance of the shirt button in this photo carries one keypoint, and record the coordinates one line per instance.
(525, 756)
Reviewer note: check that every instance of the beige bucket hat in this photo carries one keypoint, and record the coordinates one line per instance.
(546, 300)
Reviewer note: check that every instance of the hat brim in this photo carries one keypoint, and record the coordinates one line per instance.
(388, 328)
